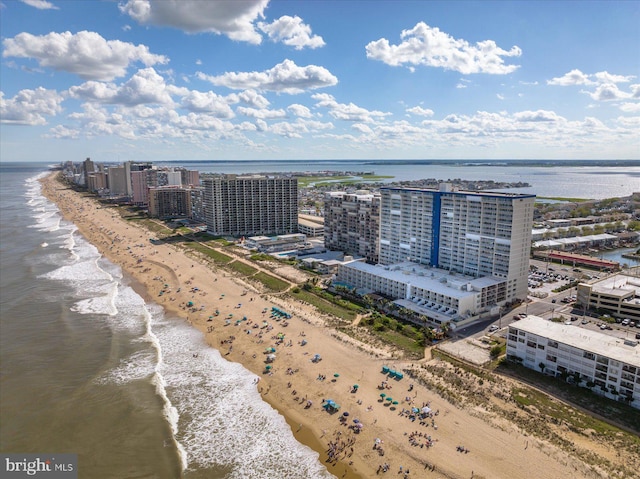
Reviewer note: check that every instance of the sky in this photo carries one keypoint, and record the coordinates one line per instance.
(147, 80)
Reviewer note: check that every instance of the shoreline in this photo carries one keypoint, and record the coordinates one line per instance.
(171, 278)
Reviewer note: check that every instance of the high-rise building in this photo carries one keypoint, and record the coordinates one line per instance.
(120, 180)
(169, 202)
(251, 205)
(478, 234)
(352, 223)
(449, 255)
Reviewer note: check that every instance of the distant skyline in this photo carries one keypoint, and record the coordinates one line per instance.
(148, 80)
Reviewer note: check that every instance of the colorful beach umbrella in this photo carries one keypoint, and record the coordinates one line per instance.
(383, 395)
(336, 375)
(355, 386)
(389, 399)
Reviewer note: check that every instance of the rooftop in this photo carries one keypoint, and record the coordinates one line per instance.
(428, 278)
(585, 339)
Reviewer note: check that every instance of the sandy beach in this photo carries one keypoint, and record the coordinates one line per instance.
(450, 442)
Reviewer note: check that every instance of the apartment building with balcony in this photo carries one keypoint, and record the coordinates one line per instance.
(352, 223)
(250, 205)
(461, 233)
(169, 202)
(608, 365)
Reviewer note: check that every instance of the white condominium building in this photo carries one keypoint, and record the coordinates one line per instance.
(608, 365)
(473, 233)
(250, 205)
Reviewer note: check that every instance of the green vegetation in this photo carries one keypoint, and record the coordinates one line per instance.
(324, 305)
(399, 340)
(559, 198)
(214, 255)
(271, 282)
(615, 411)
(152, 225)
(242, 268)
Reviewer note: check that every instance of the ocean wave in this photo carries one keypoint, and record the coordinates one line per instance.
(222, 413)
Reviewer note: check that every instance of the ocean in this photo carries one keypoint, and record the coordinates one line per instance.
(89, 367)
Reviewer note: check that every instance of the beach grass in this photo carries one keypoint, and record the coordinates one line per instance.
(402, 342)
(271, 282)
(213, 254)
(242, 268)
(323, 305)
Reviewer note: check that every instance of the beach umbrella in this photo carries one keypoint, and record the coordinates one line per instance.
(345, 414)
(389, 399)
(394, 402)
(356, 421)
(268, 366)
(383, 395)
(359, 425)
(336, 375)
(355, 386)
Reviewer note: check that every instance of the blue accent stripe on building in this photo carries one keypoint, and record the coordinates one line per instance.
(435, 230)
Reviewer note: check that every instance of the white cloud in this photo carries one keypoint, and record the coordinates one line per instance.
(146, 86)
(362, 128)
(347, 112)
(262, 114)
(61, 132)
(500, 96)
(630, 107)
(298, 128)
(574, 77)
(86, 54)
(285, 77)
(539, 115)
(209, 102)
(299, 110)
(292, 32)
(235, 19)
(608, 92)
(40, 4)
(253, 98)
(29, 107)
(425, 45)
(418, 110)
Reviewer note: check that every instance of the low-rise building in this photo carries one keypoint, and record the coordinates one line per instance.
(619, 295)
(310, 225)
(608, 365)
(433, 292)
(274, 244)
